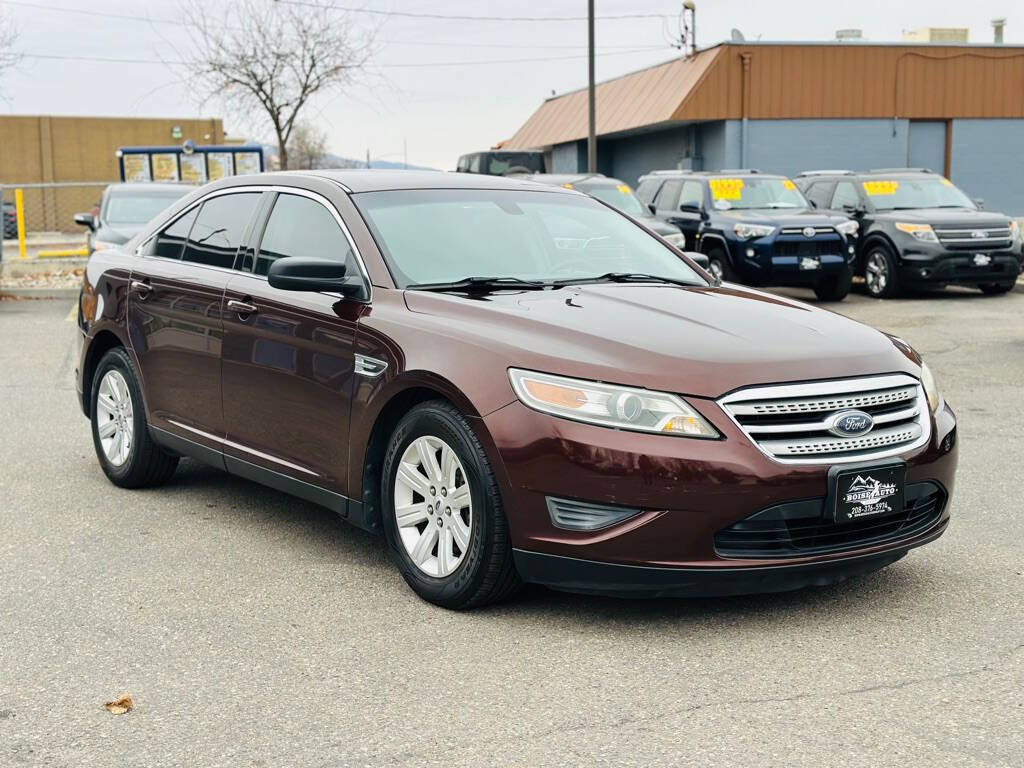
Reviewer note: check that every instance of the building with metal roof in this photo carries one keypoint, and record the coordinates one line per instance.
(790, 107)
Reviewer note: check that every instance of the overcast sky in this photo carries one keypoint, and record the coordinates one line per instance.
(439, 87)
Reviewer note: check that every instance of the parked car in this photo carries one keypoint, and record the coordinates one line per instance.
(10, 221)
(619, 195)
(755, 228)
(125, 208)
(502, 162)
(919, 230)
(513, 383)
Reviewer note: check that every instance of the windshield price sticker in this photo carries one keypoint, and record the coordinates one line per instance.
(726, 189)
(787, 184)
(876, 188)
(624, 189)
(945, 182)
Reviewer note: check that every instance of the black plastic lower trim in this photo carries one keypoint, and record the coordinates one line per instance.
(592, 577)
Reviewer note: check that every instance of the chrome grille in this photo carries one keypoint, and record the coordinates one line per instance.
(800, 231)
(790, 423)
(974, 237)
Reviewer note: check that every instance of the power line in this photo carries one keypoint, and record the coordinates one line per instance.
(463, 17)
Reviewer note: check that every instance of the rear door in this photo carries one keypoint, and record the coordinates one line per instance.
(289, 355)
(174, 315)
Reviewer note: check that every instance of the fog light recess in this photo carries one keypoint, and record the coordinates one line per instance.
(585, 516)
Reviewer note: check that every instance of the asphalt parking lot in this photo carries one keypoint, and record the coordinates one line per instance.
(254, 629)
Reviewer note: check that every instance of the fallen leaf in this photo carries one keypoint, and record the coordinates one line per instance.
(119, 707)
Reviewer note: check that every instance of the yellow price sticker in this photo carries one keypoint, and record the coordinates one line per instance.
(787, 184)
(726, 189)
(946, 182)
(624, 189)
(877, 188)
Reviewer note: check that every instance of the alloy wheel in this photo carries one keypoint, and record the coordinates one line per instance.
(433, 506)
(715, 268)
(115, 418)
(876, 273)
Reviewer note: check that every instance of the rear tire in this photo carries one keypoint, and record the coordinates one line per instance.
(457, 554)
(881, 275)
(120, 434)
(997, 289)
(719, 267)
(834, 287)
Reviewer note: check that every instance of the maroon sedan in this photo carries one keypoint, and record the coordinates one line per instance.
(512, 382)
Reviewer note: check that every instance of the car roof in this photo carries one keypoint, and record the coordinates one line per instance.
(150, 186)
(379, 180)
(730, 172)
(873, 172)
(592, 179)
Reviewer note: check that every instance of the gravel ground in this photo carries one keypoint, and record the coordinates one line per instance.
(254, 629)
(53, 278)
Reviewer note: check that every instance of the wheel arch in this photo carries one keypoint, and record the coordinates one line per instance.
(101, 343)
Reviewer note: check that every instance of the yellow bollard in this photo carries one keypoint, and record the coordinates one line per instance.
(19, 207)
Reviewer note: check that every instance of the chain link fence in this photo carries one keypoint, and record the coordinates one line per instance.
(45, 225)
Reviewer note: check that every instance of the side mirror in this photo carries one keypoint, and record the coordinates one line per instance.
(652, 208)
(296, 273)
(811, 203)
(86, 220)
(701, 259)
(854, 210)
(691, 208)
(980, 202)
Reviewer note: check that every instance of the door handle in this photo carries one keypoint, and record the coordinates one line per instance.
(242, 307)
(141, 288)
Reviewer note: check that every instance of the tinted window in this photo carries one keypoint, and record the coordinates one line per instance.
(646, 190)
(474, 163)
(693, 194)
(168, 244)
(818, 193)
(220, 229)
(845, 196)
(299, 226)
(668, 196)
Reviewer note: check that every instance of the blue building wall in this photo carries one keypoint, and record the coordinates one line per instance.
(570, 157)
(633, 156)
(987, 161)
(719, 145)
(792, 146)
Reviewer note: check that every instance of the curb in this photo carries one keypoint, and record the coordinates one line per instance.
(38, 293)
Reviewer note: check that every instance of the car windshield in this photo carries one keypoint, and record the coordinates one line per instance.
(514, 162)
(440, 236)
(136, 207)
(742, 193)
(619, 196)
(919, 192)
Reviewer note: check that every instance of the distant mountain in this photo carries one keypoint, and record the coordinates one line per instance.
(337, 161)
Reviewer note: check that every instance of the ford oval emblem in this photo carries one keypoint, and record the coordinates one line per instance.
(851, 423)
(809, 232)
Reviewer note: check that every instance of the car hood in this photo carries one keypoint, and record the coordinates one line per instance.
(698, 341)
(780, 217)
(946, 217)
(118, 235)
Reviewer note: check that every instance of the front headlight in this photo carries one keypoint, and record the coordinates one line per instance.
(102, 245)
(747, 231)
(919, 231)
(1014, 230)
(848, 228)
(678, 240)
(609, 405)
(931, 389)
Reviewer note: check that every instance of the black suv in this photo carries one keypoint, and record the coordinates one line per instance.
(918, 230)
(756, 228)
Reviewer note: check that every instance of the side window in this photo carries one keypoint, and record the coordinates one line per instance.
(845, 196)
(299, 226)
(462, 166)
(474, 163)
(693, 194)
(168, 243)
(220, 228)
(819, 193)
(667, 198)
(646, 190)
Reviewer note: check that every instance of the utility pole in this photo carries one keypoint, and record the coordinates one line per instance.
(591, 106)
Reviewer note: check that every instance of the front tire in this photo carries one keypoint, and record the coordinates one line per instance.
(442, 511)
(834, 287)
(120, 434)
(881, 277)
(997, 289)
(719, 267)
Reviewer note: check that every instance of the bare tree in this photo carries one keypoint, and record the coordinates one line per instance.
(274, 57)
(8, 37)
(308, 147)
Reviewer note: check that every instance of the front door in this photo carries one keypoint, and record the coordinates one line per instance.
(174, 315)
(288, 367)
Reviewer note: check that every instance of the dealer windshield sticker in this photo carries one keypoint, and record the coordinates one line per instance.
(624, 189)
(946, 182)
(726, 189)
(787, 184)
(870, 495)
(877, 188)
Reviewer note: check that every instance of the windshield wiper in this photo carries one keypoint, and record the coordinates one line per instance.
(626, 277)
(482, 283)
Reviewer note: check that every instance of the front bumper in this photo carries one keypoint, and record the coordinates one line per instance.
(938, 266)
(687, 490)
(782, 259)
